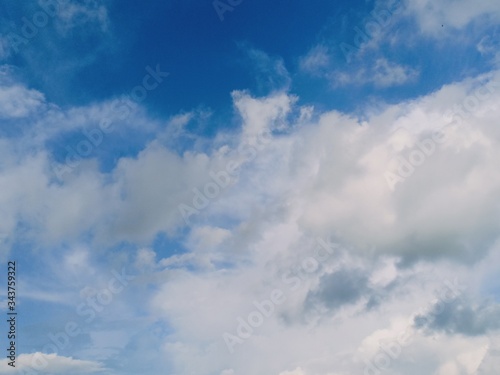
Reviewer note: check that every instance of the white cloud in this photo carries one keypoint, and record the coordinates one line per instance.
(207, 238)
(332, 163)
(297, 371)
(260, 115)
(328, 178)
(382, 73)
(17, 101)
(145, 259)
(73, 14)
(316, 60)
(388, 74)
(51, 364)
(433, 15)
(319, 175)
(316, 174)
(270, 72)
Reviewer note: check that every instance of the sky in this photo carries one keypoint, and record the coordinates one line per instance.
(238, 187)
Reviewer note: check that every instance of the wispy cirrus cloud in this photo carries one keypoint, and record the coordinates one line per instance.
(382, 73)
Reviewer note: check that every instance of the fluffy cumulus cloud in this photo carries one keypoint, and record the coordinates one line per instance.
(304, 241)
(18, 101)
(440, 207)
(301, 230)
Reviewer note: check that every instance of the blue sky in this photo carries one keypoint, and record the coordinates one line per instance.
(251, 187)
